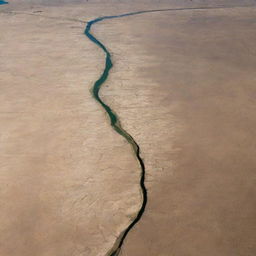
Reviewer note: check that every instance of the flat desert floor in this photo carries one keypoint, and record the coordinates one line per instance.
(183, 85)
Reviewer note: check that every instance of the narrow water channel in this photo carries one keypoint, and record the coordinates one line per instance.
(114, 120)
(115, 123)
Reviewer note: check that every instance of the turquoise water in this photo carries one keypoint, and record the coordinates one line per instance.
(3, 2)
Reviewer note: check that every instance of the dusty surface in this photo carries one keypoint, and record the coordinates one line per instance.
(61, 164)
(188, 99)
(183, 85)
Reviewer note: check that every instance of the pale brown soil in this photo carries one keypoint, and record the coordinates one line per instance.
(188, 99)
(183, 85)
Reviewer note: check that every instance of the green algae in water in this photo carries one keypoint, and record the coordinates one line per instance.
(115, 123)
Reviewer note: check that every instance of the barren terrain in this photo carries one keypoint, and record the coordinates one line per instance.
(183, 85)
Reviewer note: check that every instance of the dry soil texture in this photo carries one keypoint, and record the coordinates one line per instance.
(183, 84)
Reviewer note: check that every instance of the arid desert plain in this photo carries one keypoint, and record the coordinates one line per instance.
(183, 85)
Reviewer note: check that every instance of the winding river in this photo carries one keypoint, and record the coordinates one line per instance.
(114, 120)
(115, 123)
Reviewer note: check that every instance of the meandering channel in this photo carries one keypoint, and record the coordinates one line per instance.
(114, 120)
(115, 123)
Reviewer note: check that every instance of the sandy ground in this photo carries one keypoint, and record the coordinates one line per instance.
(188, 99)
(183, 86)
(62, 166)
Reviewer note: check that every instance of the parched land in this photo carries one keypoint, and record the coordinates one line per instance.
(183, 85)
